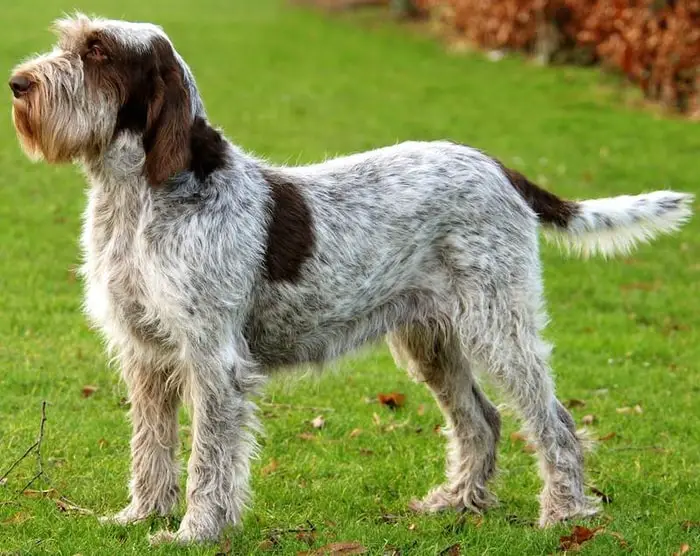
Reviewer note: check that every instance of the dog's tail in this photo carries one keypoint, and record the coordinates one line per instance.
(604, 226)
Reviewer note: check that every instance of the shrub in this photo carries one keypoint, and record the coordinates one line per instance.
(654, 43)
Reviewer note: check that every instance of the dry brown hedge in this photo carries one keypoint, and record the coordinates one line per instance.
(655, 43)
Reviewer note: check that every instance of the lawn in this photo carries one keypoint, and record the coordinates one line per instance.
(298, 86)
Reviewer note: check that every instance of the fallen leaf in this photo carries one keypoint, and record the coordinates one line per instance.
(394, 426)
(685, 548)
(688, 525)
(307, 537)
(454, 550)
(588, 419)
(421, 409)
(412, 527)
(306, 436)
(603, 497)
(65, 506)
(642, 286)
(50, 493)
(628, 410)
(88, 390)
(318, 422)
(578, 536)
(271, 467)
(608, 436)
(224, 548)
(437, 429)
(267, 544)
(518, 437)
(573, 403)
(620, 539)
(16, 519)
(377, 419)
(355, 433)
(339, 549)
(392, 400)
(3, 481)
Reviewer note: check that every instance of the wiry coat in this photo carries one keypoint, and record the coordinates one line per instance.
(207, 268)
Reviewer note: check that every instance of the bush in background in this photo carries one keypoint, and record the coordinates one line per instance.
(654, 43)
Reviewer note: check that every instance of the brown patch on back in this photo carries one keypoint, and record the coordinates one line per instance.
(549, 208)
(290, 236)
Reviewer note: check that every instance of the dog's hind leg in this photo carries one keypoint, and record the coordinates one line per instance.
(473, 422)
(503, 335)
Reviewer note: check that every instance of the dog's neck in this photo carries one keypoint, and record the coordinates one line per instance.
(122, 162)
(119, 167)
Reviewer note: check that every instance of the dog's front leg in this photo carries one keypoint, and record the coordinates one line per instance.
(223, 444)
(154, 469)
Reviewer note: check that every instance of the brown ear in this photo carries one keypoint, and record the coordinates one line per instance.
(169, 121)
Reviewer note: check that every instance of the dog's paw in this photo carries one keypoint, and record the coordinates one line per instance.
(165, 537)
(443, 498)
(191, 530)
(179, 537)
(553, 513)
(130, 514)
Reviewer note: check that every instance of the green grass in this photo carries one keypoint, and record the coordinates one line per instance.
(296, 85)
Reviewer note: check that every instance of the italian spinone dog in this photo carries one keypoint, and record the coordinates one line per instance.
(207, 269)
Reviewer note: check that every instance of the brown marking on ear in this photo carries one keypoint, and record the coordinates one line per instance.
(550, 209)
(169, 120)
(290, 235)
(150, 88)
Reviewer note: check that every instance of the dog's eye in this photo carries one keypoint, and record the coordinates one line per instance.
(96, 52)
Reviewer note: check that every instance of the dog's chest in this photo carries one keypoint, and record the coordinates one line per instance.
(121, 277)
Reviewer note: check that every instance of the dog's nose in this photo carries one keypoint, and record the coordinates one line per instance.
(19, 85)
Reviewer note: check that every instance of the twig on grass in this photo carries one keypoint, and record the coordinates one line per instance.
(36, 446)
(39, 459)
(63, 503)
(17, 462)
(295, 407)
(308, 528)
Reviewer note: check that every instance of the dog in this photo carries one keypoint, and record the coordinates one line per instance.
(207, 269)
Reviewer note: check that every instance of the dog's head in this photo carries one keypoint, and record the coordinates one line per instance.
(104, 78)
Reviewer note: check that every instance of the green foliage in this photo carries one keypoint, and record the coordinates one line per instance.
(297, 86)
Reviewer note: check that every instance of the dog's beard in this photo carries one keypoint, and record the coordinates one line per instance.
(25, 120)
(55, 124)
